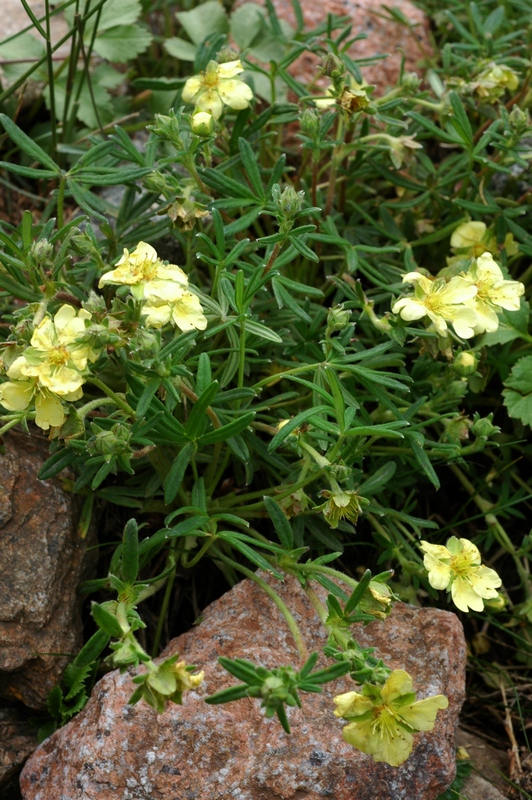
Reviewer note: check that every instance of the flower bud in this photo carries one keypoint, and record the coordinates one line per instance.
(410, 81)
(110, 443)
(497, 603)
(289, 202)
(227, 54)
(310, 122)
(202, 123)
(483, 427)
(519, 120)
(41, 251)
(332, 66)
(465, 363)
(337, 318)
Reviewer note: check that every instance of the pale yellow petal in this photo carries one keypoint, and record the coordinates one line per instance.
(235, 94)
(421, 715)
(397, 684)
(156, 315)
(468, 234)
(48, 411)
(351, 704)
(210, 101)
(191, 88)
(44, 336)
(229, 69)
(159, 292)
(464, 596)
(17, 396)
(409, 309)
(187, 313)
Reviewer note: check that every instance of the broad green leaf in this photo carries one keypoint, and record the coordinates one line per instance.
(181, 49)
(126, 12)
(246, 23)
(204, 20)
(518, 392)
(123, 42)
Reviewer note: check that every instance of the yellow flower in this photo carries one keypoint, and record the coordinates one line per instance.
(383, 719)
(141, 267)
(494, 80)
(182, 309)
(493, 292)
(56, 357)
(216, 87)
(342, 505)
(442, 302)
(458, 567)
(49, 412)
(472, 239)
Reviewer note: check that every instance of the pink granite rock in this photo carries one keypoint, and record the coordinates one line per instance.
(41, 563)
(201, 752)
(384, 36)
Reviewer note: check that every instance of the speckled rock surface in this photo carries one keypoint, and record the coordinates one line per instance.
(201, 752)
(384, 36)
(41, 558)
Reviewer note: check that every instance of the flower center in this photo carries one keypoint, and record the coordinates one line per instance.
(58, 356)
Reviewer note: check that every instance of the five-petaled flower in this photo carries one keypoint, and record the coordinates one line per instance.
(458, 567)
(443, 302)
(383, 719)
(216, 87)
(51, 369)
(162, 287)
(493, 293)
(142, 267)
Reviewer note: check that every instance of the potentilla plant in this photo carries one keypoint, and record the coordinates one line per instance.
(297, 319)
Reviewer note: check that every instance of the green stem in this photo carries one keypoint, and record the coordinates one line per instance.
(199, 555)
(241, 353)
(272, 594)
(88, 407)
(285, 493)
(51, 82)
(117, 399)
(61, 203)
(165, 603)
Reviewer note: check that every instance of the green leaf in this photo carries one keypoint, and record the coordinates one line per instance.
(106, 621)
(174, 479)
(57, 462)
(122, 43)
(28, 172)
(518, 394)
(130, 552)
(246, 23)
(92, 649)
(181, 49)
(27, 145)
(358, 592)
(295, 422)
(257, 329)
(204, 20)
(196, 420)
(228, 431)
(249, 160)
(24, 292)
(250, 554)
(280, 523)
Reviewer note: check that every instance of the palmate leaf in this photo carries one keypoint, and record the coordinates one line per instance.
(123, 42)
(518, 392)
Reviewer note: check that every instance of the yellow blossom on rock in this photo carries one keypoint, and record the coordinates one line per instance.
(55, 356)
(216, 87)
(49, 412)
(141, 267)
(442, 302)
(383, 719)
(493, 292)
(458, 567)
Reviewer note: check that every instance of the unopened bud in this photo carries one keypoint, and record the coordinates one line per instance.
(310, 122)
(483, 427)
(410, 81)
(202, 123)
(42, 251)
(337, 318)
(519, 120)
(465, 363)
(227, 54)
